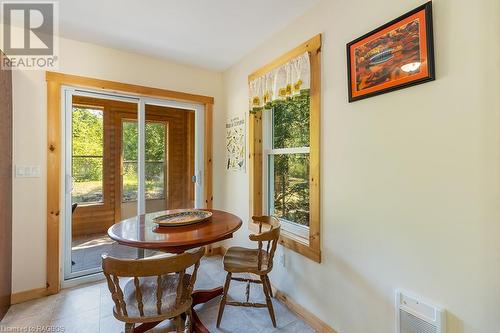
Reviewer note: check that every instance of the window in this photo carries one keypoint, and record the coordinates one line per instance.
(286, 142)
(87, 155)
(284, 130)
(155, 160)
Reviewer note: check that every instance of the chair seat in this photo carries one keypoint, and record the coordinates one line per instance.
(148, 286)
(242, 260)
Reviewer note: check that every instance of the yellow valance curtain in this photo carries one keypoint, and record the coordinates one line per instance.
(287, 80)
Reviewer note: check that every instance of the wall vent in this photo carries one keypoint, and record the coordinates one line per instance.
(416, 316)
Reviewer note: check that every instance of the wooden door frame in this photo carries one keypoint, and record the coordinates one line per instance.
(55, 146)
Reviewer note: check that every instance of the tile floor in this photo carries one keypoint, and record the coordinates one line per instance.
(88, 309)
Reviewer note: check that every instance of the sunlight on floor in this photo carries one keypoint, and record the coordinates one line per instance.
(80, 244)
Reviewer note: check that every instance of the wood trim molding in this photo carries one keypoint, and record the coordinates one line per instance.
(208, 154)
(306, 315)
(314, 154)
(255, 162)
(29, 295)
(55, 146)
(86, 82)
(310, 45)
(311, 248)
(54, 149)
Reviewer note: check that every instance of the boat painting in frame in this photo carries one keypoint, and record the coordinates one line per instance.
(396, 55)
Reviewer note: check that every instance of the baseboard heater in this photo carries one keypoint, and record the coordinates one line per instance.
(417, 316)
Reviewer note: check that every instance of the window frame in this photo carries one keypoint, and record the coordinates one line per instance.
(308, 245)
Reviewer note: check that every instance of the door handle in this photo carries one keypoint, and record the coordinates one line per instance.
(197, 178)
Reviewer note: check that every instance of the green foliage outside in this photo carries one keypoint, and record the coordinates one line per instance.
(291, 171)
(291, 122)
(155, 141)
(88, 143)
(155, 160)
(87, 162)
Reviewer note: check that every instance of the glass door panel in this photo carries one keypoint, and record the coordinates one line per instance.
(92, 156)
(169, 158)
(124, 156)
(87, 162)
(156, 167)
(129, 168)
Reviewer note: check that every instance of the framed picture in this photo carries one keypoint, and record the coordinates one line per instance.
(235, 143)
(397, 55)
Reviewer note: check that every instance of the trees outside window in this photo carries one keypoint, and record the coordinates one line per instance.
(87, 155)
(288, 159)
(155, 160)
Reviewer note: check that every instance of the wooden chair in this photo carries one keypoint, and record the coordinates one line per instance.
(255, 261)
(160, 288)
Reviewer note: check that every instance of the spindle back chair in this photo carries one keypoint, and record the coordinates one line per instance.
(254, 261)
(159, 288)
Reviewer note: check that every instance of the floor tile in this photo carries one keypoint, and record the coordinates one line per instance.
(42, 307)
(22, 323)
(233, 319)
(77, 300)
(297, 326)
(262, 320)
(111, 324)
(84, 322)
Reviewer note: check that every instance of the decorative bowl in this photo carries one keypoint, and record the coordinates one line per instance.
(181, 218)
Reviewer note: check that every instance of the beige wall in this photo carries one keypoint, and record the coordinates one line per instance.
(29, 211)
(410, 179)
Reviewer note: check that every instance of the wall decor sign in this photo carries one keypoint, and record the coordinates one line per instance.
(396, 55)
(235, 143)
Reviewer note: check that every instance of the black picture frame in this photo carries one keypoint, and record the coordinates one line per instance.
(427, 8)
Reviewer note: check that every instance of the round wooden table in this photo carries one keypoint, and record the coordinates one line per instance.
(142, 232)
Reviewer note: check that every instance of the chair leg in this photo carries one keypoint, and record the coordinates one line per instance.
(178, 324)
(129, 328)
(189, 318)
(223, 299)
(269, 286)
(268, 299)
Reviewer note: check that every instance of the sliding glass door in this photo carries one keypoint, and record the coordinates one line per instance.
(124, 156)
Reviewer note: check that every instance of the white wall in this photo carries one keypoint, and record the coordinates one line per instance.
(410, 179)
(29, 105)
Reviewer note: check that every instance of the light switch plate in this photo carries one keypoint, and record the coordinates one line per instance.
(27, 171)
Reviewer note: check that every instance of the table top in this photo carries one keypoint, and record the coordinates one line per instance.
(140, 231)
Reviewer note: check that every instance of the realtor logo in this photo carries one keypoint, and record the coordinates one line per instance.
(29, 35)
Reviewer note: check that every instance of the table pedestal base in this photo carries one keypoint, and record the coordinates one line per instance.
(199, 297)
